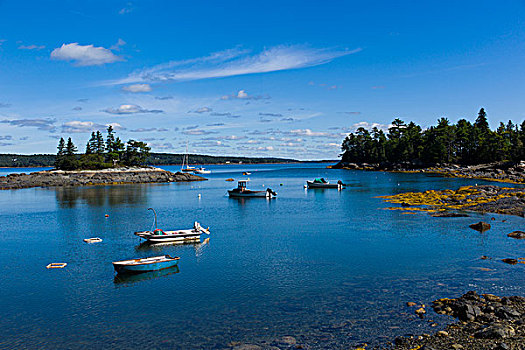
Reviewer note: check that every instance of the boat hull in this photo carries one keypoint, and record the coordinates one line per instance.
(145, 265)
(312, 184)
(249, 194)
(171, 236)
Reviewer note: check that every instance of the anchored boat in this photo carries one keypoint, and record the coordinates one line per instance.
(181, 236)
(322, 183)
(201, 170)
(185, 167)
(242, 192)
(154, 263)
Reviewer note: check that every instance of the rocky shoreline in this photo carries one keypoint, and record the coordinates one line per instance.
(484, 199)
(501, 171)
(131, 175)
(484, 322)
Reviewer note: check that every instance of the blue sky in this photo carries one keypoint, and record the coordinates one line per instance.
(272, 78)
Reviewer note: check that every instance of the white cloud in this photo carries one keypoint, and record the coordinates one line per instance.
(308, 132)
(130, 109)
(243, 95)
(84, 55)
(369, 126)
(236, 62)
(137, 88)
(267, 148)
(77, 126)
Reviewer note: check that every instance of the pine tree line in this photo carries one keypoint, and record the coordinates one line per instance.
(101, 154)
(463, 143)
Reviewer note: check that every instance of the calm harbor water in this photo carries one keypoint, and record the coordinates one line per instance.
(331, 268)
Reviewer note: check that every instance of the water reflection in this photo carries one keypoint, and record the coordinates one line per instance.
(175, 246)
(123, 279)
(98, 196)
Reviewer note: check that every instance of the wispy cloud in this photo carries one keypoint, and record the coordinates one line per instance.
(236, 62)
(31, 47)
(198, 132)
(137, 88)
(271, 114)
(149, 130)
(84, 55)
(40, 124)
(6, 137)
(118, 45)
(201, 110)
(130, 109)
(163, 98)
(4, 105)
(126, 9)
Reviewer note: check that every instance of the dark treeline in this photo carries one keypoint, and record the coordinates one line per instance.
(48, 160)
(100, 153)
(463, 143)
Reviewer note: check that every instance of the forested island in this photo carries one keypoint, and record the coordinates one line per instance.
(461, 149)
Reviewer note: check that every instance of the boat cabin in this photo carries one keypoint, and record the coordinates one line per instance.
(241, 185)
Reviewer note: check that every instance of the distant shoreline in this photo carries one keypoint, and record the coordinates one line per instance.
(192, 164)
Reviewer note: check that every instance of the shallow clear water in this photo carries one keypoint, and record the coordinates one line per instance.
(331, 268)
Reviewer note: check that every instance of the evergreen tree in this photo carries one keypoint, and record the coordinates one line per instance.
(60, 154)
(99, 143)
(90, 147)
(61, 147)
(136, 153)
(70, 148)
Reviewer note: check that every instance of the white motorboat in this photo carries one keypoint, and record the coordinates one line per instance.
(201, 171)
(242, 192)
(181, 236)
(322, 183)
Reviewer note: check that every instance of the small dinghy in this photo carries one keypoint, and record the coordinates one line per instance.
(181, 236)
(154, 263)
(322, 183)
(246, 173)
(242, 192)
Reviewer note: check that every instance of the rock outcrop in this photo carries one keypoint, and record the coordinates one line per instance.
(485, 322)
(53, 178)
(513, 172)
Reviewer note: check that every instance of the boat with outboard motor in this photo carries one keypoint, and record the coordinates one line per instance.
(322, 183)
(242, 192)
(161, 236)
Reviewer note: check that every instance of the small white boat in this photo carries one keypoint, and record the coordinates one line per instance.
(201, 170)
(246, 173)
(161, 236)
(93, 240)
(180, 236)
(322, 183)
(242, 192)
